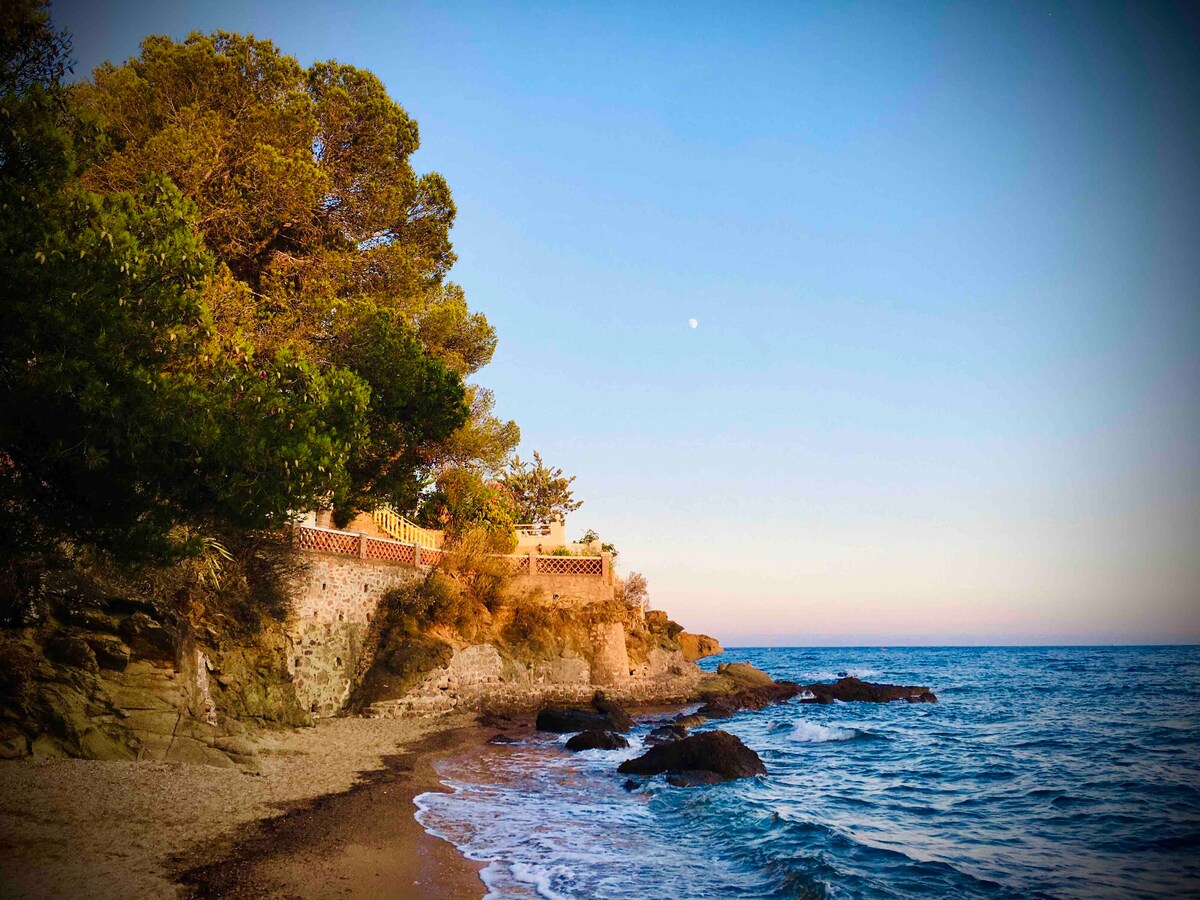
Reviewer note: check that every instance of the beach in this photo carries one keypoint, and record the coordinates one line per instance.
(331, 814)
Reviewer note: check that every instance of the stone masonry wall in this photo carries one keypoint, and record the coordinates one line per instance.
(334, 609)
(576, 590)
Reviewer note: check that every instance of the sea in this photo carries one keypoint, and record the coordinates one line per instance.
(1040, 772)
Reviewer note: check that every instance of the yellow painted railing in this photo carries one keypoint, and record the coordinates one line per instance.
(400, 529)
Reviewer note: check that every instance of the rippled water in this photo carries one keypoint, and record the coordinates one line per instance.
(1041, 772)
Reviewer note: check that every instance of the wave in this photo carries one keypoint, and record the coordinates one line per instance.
(812, 733)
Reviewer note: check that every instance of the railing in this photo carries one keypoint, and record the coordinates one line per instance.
(412, 553)
(399, 528)
(568, 565)
(537, 529)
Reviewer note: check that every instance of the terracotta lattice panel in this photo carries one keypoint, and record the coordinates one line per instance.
(323, 541)
(570, 565)
(392, 551)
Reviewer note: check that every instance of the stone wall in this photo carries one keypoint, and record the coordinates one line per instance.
(334, 610)
(574, 590)
(480, 677)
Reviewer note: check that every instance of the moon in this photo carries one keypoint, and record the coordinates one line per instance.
(693, 322)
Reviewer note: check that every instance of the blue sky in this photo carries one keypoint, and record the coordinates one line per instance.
(945, 386)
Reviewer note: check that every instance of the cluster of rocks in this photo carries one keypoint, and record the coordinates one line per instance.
(853, 690)
(710, 757)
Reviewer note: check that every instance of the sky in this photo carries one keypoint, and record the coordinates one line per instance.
(944, 260)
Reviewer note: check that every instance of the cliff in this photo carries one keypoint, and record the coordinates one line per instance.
(105, 664)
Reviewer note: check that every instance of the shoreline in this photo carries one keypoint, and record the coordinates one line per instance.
(365, 841)
(331, 813)
(92, 829)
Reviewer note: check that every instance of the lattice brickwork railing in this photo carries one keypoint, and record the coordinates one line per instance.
(344, 543)
(393, 551)
(323, 540)
(570, 565)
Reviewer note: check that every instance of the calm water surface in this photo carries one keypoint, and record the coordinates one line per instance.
(1042, 772)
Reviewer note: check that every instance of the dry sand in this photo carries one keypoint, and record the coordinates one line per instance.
(88, 829)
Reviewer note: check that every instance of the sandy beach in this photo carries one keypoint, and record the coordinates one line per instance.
(331, 814)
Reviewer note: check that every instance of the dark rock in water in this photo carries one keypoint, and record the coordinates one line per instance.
(614, 712)
(110, 652)
(745, 674)
(694, 778)
(713, 751)
(853, 690)
(666, 733)
(631, 785)
(843, 674)
(597, 740)
(502, 739)
(691, 720)
(147, 638)
(607, 716)
(564, 719)
(725, 705)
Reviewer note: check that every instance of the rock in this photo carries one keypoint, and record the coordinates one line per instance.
(698, 646)
(712, 751)
(725, 705)
(597, 740)
(746, 674)
(694, 778)
(691, 721)
(90, 619)
(111, 652)
(607, 716)
(631, 785)
(616, 715)
(852, 690)
(502, 739)
(564, 719)
(666, 733)
(235, 746)
(13, 743)
(147, 638)
(72, 650)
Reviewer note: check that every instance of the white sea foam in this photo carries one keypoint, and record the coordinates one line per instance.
(542, 878)
(812, 733)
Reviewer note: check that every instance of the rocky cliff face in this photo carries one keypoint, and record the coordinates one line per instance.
(96, 672)
(104, 669)
(524, 655)
(698, 646)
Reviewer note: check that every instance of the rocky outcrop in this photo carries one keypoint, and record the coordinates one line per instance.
(738, 686)
(853, 690)
(604, 716)
(716, 752)
(564, 720)
(664, 734)
(697, 646)
(89, 672)
(593, 739)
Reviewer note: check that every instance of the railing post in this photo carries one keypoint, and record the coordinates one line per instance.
(417, 554)
(362, 545)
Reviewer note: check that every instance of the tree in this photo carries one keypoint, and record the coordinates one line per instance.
(634, 590)
(126, 418)
(327, 244)
(541, 493)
